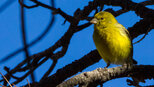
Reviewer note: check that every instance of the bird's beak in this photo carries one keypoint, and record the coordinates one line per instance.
(94, 21)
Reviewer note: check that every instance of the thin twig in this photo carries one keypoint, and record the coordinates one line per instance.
(142, 37)
(6, 79)
(22, 4)
(24, 38)
(50, 69)
(10, 74)
(28, 82)
(39, 38)
(148, 2)
(65, 40)
(29, 72)
(43, 34)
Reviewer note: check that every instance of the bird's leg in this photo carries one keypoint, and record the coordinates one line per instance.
(127, 65)
(108, 64)
(105, 68)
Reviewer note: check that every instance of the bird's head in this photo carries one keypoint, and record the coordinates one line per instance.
(103, 18)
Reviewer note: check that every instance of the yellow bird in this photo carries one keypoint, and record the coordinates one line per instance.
(112, 40)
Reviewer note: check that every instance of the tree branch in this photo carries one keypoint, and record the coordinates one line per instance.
(149, 2)
(92, 57)
(100, 75)
(75, 67)
(24, 40)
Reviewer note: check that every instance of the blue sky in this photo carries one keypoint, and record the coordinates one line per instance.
(81, 43)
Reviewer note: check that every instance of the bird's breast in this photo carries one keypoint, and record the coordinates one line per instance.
(110, 43)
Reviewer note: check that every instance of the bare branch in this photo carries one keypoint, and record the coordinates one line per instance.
(6, 79)
(22, 4)
(70, 69)
(50, 69)
(148, 2)
(139, 9)
(39, 38)
(100, 76)
(141, 27)
(28, 83)
(142, 37)
(24, 39)
(62, 74)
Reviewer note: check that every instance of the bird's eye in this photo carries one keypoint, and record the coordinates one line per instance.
(102, 18)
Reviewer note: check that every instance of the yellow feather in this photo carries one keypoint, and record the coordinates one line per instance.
(112, 40)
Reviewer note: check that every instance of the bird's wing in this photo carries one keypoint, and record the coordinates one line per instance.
(125, 31)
